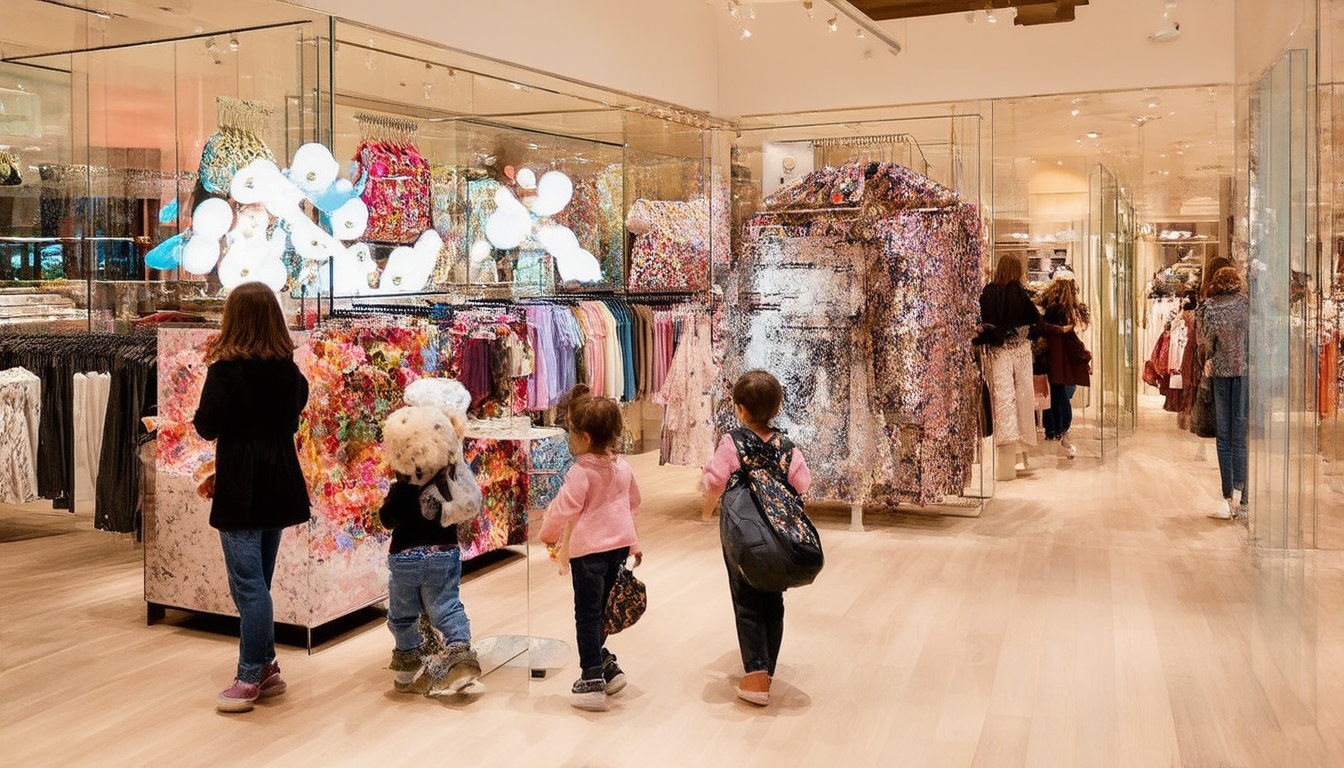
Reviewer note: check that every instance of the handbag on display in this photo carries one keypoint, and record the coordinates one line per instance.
(1203, 417)
(398, 190)
(626, 603)
(767, 537)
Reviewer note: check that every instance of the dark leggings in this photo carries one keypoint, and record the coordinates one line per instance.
(760, 623)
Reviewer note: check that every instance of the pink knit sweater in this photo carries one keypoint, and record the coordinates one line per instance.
(725, 462)
(600, 498)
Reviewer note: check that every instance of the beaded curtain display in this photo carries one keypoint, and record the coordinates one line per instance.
(902, 428)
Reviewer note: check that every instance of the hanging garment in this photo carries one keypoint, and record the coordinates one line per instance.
(91, 392)
(20, 415)
(687, 399)
(396, 189)
(672, 242)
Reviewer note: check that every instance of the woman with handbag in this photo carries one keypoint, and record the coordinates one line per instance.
(1070, 363)
(1009, 320)
(250, 406)
(1222, 323)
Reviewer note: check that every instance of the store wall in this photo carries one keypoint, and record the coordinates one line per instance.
(662, 49)
(793, 63)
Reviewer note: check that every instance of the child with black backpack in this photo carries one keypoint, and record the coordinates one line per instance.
(756, 452)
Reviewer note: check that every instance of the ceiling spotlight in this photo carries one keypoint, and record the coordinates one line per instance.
(428, 86)
(1076, 112)
(1078, 141)
(744, 33)
(858, 32)
(807, 6)
(751, 13)
(233, 43)
(832, 25)
(1093, 134)
(1166, 34)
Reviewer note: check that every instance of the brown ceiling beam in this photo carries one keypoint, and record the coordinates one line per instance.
(1029, 11)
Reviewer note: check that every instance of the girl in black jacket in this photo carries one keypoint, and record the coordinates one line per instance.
(250, 405)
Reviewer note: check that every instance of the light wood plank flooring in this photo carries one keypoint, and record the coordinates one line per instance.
(1092, 616)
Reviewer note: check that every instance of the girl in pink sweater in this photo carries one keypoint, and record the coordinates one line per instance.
(597, 505)
(757, 397)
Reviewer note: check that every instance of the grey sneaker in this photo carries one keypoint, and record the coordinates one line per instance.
(589, 695)
(612, 674)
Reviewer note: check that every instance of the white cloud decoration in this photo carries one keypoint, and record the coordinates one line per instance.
(270, 210)
(515, 223)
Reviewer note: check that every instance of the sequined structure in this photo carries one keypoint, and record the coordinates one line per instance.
(858, 289)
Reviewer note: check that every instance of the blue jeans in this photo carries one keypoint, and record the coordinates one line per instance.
(1059, 416)
(593, 575)
(430, 581)
(249, 557)
(1229, 410)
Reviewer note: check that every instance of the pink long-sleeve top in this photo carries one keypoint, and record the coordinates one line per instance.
(724, 463)
(600, 498)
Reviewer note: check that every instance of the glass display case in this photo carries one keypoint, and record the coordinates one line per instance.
(859, 255)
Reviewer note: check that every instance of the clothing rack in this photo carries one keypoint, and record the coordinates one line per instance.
(394, 130)
(877, 140)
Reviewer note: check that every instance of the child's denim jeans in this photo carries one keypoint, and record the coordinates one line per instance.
(429, 581)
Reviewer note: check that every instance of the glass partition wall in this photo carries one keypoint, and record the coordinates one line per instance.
(1283, 279)
(1108, 285)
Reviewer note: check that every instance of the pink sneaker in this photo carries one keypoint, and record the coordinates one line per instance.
(238, 697)
(271, 683)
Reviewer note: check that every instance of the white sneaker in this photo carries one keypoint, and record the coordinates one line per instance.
(1066, 447)
(1021, 465)
(1222, 511)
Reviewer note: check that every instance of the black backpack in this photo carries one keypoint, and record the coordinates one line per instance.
(767, 537)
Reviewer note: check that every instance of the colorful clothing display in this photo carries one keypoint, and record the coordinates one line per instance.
(396, 182)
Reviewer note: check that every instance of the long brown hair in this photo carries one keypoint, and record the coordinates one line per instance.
(1063, 295)
(253, 327)
(1008, 270)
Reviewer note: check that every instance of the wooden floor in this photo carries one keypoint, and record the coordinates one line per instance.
(1092, 616)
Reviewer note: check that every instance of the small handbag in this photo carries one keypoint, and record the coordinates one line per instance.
(1203, 420)
(626, 603)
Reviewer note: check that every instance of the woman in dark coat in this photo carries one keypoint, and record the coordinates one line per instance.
(1070, 362)
(250, 405)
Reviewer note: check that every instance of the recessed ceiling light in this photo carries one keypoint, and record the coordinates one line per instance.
(1093, 134)
(1076, 112)
(832, 25)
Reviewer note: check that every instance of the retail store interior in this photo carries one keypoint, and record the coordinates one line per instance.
(654, 199)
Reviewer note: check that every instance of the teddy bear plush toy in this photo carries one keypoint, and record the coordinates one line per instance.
(435, 490)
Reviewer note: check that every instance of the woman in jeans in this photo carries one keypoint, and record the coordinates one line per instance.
(1070, 362)
(250, 405)
(1222, 321)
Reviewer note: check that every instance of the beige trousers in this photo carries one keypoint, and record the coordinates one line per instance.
(1011, 393)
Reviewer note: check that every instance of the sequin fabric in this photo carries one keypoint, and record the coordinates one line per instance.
(225, 152)
(672, 243)
(397, 191)
(864, 308)
(501, 468)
